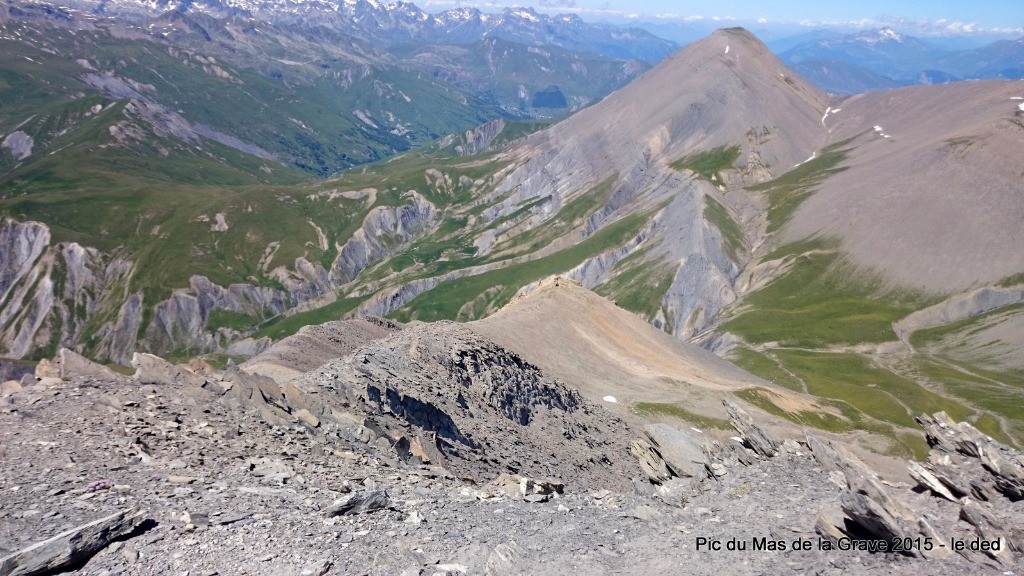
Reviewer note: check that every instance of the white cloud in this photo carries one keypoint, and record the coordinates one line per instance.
(558, 3)
(762, 20)
(914, 27)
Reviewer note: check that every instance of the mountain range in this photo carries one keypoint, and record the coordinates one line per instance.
(404, 295)
(883, 58)
(329, 95)
(720, 196)
(404, 22)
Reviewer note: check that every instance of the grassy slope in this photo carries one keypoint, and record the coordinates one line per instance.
(153, 198)
(676, 411)
(708, 164)
(732, 232)
(308, 120)
(638, 282)
(807, 323)
(444, 301)
(819, 302)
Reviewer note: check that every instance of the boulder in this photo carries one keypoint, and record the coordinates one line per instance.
(830, 523)
(926, 479)
(150, 369)
(308, 418)
(72, 364)
(505, 560)
(946, 435)
(47, 369)
(875, 519)
(533, 487)
(70, 547)
(9, 387)
(753, 436)
(682, 453)
(651, 462)
(674, 492)
(937, 552)
(986, 527)
(359, 503)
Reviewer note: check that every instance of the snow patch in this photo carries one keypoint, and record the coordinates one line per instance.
(697, 430)
(1021, 107)
(881, 132)
(726, 48)
(828, 111)
(812, 157)
(891, 34)
(1016, 97)
(610, 399)
(525, 14)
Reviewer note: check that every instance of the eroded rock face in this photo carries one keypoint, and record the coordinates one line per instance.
(965, 470)
(383, 229)
(49, 293)
(19, 144)
(487, 410)
(476, 140)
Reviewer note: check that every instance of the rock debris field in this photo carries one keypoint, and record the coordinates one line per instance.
(435, 451)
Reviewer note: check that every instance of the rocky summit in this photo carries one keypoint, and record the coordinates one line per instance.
(430, 449)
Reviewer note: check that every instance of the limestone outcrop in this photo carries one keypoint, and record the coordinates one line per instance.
(50, 293)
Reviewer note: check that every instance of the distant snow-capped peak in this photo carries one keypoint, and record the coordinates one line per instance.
(881, 35)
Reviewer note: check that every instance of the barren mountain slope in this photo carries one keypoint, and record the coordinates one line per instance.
(712, 93)
(640, 372)
(314, 346)
(584, 339)
(889, 277)
(649, 161)
(933, 196)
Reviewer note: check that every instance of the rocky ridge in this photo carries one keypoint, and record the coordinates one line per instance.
(229, 472)
(458, 400)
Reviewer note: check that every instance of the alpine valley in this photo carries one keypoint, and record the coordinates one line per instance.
(463, 255)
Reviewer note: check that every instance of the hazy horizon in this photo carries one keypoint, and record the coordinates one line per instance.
(918, 17)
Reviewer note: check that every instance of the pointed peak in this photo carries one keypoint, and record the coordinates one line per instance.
(730, 42)
(736, 35)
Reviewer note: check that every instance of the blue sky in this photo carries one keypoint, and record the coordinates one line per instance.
(938, 17)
